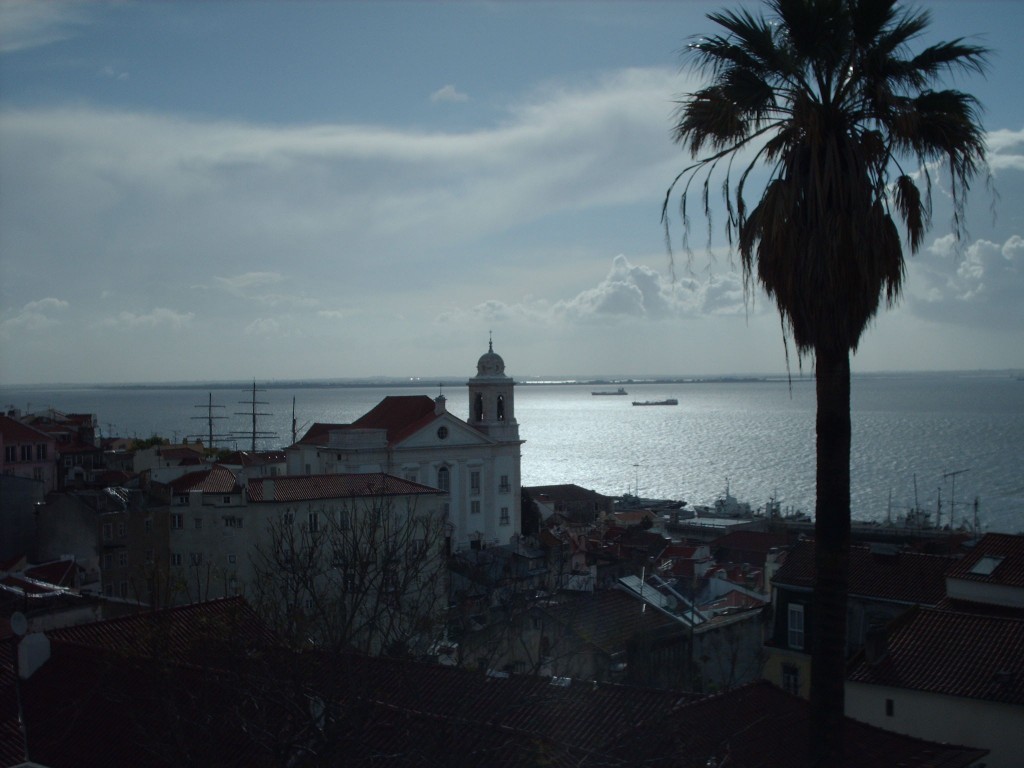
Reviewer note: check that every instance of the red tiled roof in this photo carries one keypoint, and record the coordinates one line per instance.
(761, 726)
(616, 726)
(906, 577)
(60, 572)
(180, 634)
(16, 432)
(1008, 572)
(956, 654)
(215, 480)
(309, 487)
(399, 415)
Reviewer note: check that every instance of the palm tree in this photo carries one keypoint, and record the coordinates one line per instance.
(828, 98)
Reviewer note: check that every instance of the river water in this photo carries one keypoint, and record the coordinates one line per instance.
(942, 439)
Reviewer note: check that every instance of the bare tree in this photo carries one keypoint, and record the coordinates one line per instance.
(368, 576)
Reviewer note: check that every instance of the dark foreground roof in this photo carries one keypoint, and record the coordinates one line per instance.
(102, 699)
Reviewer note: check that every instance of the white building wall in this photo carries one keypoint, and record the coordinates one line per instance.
(947, 719)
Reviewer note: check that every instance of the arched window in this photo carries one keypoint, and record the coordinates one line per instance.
(444, 479)
(478, 407)
(501, 407)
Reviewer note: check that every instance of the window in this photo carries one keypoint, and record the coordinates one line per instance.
(791, 679)
(419, 546)
(177, 521)
(108, 531)
(501, 408)
(199, 523)
(108, 561)
(314, 522)
(41, 452)
(183, 500)
(504, 516)
(37, 473)
(504, 486)
(10, 453)
(195, 558)
(122, 559)
(124, 589)
(175, 558)
(890, 707)
(288, 518)
(231, 559)
(796, 626)
(474, 482)
(122, 530)
(227, 499)
(444, 479)
(26, 453)
(149, 557)
(474, 507)
(149, 524)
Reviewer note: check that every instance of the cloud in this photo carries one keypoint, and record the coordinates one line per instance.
(977, 285)
(33, 316)
(628, 293)
(30, 24)
(264, 326)
(248, 285)
(448, 93)
(159, 317)
(114, 74)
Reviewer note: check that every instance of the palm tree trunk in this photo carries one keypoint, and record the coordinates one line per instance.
(831, 556)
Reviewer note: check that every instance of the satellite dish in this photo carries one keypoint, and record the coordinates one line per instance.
(19, 624)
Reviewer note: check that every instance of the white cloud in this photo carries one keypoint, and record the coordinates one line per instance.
(981, 284)
(263, 327)
(32, 317)
(157, 318)
(30, 23)
(448, 93)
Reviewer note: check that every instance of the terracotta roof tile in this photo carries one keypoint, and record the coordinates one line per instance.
(956, 654)
(214, 480)
(1005, 553)
(309, 487)
(906, 577)
(399, 415)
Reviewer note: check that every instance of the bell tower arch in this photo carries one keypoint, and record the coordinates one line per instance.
(492, 398)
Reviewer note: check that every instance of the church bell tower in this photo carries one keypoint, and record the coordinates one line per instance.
(492, 398)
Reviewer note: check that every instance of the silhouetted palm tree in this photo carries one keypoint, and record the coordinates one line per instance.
(828, 98)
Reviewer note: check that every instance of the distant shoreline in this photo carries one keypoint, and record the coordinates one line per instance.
(452, 381)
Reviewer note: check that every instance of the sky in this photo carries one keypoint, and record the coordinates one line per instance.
(202, 191)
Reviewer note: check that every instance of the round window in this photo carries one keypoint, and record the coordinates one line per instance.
(442, 432)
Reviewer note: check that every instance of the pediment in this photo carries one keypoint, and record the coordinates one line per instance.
(445, 431)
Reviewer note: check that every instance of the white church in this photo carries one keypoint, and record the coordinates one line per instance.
(476, 462)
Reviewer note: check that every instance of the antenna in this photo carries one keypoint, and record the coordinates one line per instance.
(209, 420)
(952, 496)
(253, 402)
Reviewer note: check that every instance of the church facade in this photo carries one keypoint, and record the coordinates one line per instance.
(475, 462)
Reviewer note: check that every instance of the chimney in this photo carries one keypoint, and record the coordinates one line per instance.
(439, 405)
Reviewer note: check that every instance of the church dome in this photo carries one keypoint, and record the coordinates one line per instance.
(490, 363)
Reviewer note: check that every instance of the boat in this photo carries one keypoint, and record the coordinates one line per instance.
(669, 401)
(619, 391)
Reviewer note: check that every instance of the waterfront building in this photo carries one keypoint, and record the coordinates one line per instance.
(475, 461)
